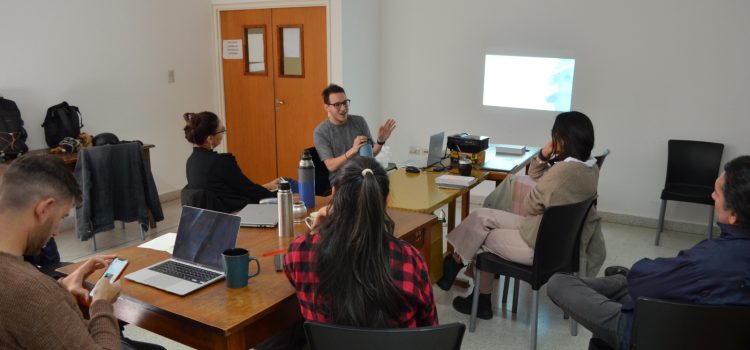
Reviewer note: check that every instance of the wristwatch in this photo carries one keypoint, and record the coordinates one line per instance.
(381, 142)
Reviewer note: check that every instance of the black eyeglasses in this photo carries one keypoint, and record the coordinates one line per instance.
(338, 105)
(220, 132)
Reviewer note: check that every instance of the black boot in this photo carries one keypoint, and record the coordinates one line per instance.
(450, 271)
(616, 270)
(484, 309)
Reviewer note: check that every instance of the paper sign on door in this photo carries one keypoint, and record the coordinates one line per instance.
(232, 49)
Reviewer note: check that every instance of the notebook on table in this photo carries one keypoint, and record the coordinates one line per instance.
(202, 236)
(259, 215)
(434, 153)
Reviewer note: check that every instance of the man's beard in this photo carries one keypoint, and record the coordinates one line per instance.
(38, 238)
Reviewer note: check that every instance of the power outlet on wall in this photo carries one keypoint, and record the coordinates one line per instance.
(413, 150)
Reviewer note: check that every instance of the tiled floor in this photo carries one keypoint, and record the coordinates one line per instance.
(625, 245)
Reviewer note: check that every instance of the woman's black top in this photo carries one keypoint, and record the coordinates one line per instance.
(219, 175)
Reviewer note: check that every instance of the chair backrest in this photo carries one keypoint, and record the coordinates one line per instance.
(693, 162)
(558, 240)
(322, 185)
(663, 324)
(600, 158)
(332, 337)
(200, 198)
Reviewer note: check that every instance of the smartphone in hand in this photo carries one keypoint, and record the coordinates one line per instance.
(113, 272)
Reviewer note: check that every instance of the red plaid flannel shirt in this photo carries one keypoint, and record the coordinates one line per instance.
(408, 270)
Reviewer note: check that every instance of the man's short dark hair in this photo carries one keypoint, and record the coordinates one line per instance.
(331, 89)
(33, 177)
(737, 189)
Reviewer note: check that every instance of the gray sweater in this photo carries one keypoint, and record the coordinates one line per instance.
(38, 313)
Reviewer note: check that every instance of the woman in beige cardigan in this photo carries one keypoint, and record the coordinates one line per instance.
(565, 173)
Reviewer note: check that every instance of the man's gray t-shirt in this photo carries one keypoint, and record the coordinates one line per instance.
(333, 140)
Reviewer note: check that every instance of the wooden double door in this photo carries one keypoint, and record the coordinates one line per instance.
(274, 68)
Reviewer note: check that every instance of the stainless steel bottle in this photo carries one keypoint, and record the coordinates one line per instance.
(286, 224)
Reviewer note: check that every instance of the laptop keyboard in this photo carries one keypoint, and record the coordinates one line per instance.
(185, 272)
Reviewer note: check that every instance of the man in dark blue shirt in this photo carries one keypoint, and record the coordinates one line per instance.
(712, 272)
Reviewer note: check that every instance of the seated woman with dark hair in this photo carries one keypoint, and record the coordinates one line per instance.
(565, 173)
(218, 174)
(351, 270)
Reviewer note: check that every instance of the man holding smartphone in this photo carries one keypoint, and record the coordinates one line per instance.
(36, 193)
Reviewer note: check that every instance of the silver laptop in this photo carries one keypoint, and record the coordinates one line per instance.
(259, 215)
(434, 153)
(196, 259)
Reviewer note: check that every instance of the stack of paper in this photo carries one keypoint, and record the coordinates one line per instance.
(454, 181)
(510, 149)
(164, 242)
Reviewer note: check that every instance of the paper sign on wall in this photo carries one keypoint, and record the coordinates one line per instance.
(232, 49)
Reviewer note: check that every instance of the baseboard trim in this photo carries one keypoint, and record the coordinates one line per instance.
(625, 219)
(169, 196)
(669, 225)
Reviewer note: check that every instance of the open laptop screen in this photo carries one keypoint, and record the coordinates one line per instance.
(203, 235)
(435, 152)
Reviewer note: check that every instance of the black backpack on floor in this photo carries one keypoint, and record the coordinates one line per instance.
(62, 120)
(12, 134)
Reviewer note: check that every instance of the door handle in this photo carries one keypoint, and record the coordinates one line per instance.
(279, 102)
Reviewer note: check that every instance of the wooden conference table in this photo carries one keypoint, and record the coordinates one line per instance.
(217, 317)
(419, 193)
(500, 165)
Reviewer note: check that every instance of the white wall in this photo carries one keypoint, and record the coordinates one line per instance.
(360, 39)
(111, 59)
(645, 72)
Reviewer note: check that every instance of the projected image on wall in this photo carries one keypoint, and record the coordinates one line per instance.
(528, 82)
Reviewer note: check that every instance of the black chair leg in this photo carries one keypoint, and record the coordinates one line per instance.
(515, 296)
(660, 226)
(534, 318)
(475, 300)
(506, 286)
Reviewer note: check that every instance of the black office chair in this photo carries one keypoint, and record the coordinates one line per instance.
(665, 325)
(692, 168)
(200, 198)
(322, 185)
(332, 337)
(506, 285)
(600, 158)
(557, 242)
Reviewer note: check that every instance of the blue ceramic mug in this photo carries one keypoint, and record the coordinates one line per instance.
(236, 267)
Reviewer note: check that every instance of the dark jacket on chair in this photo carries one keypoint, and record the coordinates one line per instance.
(220, 177)
(116, 184)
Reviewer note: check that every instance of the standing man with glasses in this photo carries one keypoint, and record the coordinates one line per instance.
(341, 135)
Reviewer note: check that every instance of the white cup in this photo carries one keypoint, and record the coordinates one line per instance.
(311, 220)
